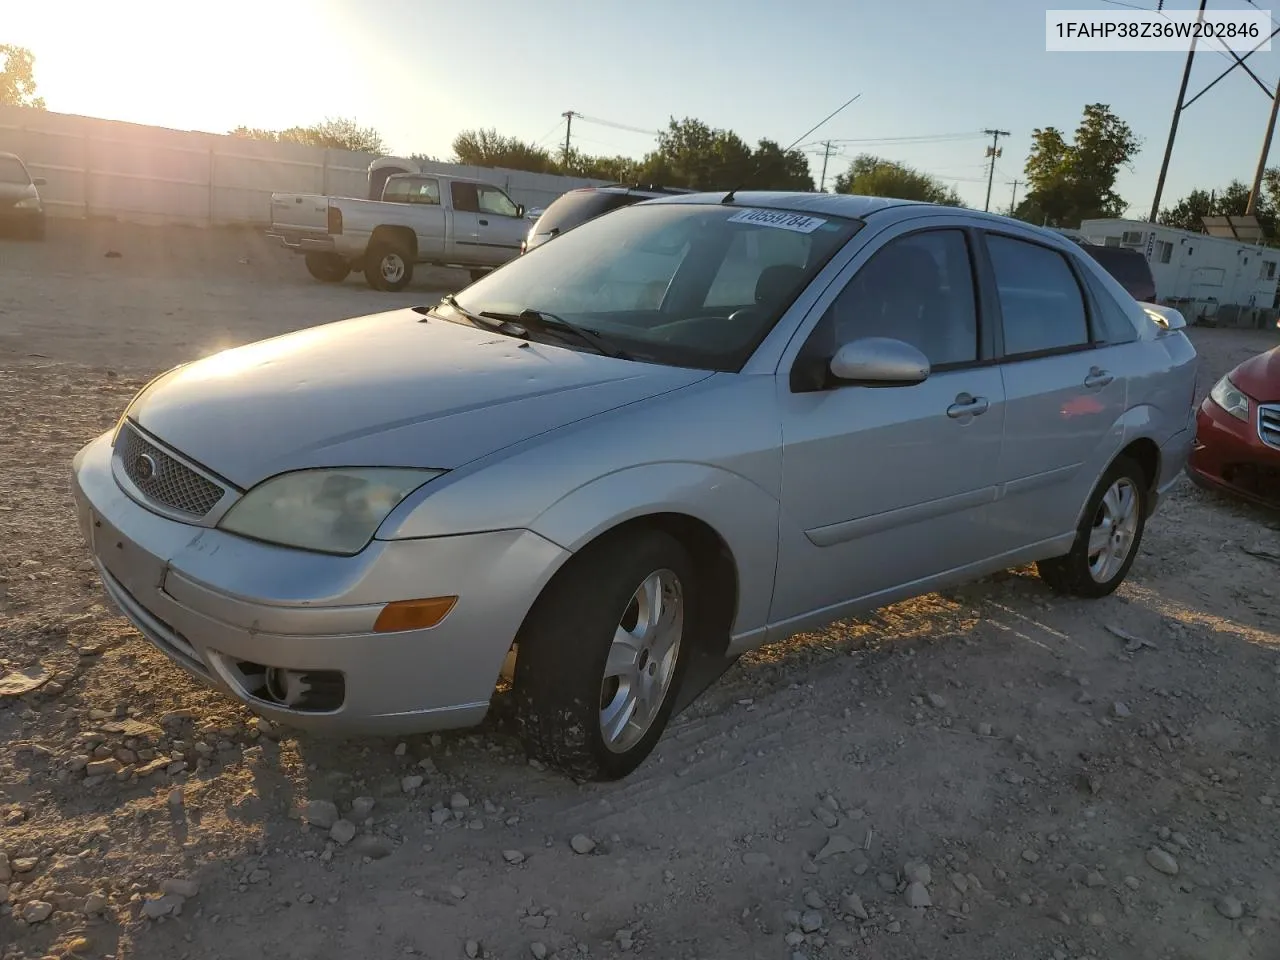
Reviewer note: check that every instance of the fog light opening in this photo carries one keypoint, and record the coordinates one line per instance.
(306, 691)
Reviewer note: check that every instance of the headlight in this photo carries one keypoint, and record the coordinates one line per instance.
(1225, 395)
(329, 511)
(28, 203)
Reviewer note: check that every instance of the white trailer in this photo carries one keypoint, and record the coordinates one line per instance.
(1200, 274)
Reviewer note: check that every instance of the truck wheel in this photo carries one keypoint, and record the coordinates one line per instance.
(1108, 538)
(388, 266)
(602, 654)
(327, 267)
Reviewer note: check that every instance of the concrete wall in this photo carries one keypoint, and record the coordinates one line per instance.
(105, 168)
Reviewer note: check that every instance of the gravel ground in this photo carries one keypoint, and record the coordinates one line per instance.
(994, 772)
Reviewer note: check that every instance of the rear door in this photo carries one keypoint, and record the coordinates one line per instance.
(1065, 388)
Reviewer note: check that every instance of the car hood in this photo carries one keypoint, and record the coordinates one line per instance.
(385, 390)
(1259, 376)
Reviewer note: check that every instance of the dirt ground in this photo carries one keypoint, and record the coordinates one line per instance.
(1038, 772)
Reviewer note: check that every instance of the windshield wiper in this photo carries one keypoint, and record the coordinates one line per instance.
(549, 321)
(490, 321)
(517, 324)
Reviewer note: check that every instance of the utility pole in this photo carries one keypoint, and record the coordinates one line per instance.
(1252, 207)
(1013, 201)
(993, 152)
(1173, 125)
(826, 154)
(568, 127)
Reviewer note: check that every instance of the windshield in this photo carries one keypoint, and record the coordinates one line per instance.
(692, 285)
(12, 171)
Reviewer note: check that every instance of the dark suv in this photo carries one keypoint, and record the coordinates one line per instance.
(1127, 266)
(576, 207)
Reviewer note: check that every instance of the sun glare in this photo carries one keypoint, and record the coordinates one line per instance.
(186, 66)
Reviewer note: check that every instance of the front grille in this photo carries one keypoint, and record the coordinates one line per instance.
(162, 478)
(1269, 424)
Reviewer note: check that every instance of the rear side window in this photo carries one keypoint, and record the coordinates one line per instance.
(1129, 267)
(1040, 300)
(577, 207)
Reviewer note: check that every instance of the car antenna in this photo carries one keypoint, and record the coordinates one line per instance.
(728, 197)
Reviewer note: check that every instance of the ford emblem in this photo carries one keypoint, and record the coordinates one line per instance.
(144, 467)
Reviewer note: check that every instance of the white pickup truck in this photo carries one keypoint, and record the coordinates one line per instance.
(421, 218)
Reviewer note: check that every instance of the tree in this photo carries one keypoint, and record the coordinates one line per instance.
(617, 169)
(872, 176)
(17, 78)
(776, 169)
(332, 134)
(488, 148)
(1070, 181)
(692, 154)
(1231, 201)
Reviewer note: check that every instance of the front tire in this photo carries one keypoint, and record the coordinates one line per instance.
(388, 266)
(327, 267)
(602, 654)
(1108, 537)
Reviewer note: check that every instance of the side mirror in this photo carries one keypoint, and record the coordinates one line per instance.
(520, 211)
(1166, 317)
(39, 181)
(879, 361)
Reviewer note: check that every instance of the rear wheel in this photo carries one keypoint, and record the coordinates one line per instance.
(327, 267)
(388, 266)
(602, 655)
(478, 274)
(1108, 537)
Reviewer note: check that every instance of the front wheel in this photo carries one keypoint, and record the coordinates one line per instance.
(602, 654)
(1108, 537)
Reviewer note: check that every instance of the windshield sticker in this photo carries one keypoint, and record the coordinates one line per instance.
(795, 222)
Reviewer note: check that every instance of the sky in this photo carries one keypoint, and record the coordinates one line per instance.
(931, 74)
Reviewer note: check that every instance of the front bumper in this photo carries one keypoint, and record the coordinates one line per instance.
(222, 607)
(1230, 456)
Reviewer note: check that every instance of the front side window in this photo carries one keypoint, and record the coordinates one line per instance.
(1040, 301)
(494, 201)
(697, 285)
(917, 288)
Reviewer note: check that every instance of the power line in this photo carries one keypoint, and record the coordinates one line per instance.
(616, 126)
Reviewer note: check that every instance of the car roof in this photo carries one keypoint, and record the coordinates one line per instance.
(853, 206)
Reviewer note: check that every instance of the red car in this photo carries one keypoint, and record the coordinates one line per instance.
(1237, 446)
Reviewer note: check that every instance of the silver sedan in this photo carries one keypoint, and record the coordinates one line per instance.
(698, 423)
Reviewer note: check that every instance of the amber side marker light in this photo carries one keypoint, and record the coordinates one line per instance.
(413, 614)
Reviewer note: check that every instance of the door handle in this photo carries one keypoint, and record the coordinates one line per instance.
(968, 406)
(1097, 378)
(484, 223)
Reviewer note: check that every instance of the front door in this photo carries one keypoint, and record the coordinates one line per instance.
(887, 486)
(1064, 372)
